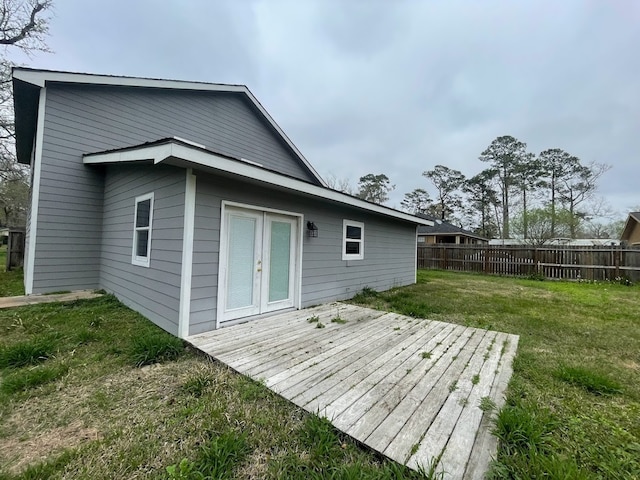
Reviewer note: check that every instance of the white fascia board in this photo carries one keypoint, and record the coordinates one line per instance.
(157, 153)
(40, 78)
(212, 160)
(35, 195)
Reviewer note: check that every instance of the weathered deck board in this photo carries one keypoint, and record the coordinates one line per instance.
(408, 388)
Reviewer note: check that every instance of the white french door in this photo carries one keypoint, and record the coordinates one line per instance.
(259, 255)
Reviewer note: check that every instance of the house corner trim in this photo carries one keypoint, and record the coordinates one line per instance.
(35, 195)
(187, 253)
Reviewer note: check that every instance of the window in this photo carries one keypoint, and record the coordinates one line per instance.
(142, 230)
(352, 240)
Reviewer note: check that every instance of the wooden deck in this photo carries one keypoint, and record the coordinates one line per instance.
(408, 388)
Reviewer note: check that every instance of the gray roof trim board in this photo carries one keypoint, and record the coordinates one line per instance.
(180, 152)
(626, 231)
(28, 81)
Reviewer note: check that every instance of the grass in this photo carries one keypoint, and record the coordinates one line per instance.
(10, 282)
(83, 407)
(29, 352)
(573, 403)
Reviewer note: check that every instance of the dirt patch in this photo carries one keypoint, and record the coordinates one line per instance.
(19, 453)
(631, 365)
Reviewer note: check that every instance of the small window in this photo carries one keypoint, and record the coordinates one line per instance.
(352, 240)
(142, 230)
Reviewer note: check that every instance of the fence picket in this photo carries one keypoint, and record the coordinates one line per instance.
(559, 262)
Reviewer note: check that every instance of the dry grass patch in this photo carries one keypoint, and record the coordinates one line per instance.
(18, 453)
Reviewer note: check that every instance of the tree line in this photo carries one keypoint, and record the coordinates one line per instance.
(23, 27)
(519, 194)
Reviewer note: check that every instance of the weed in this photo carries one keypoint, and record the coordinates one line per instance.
(522, 429)
(320, 437)
(47, 469)
(197, 385)
(154, 346)
(591, 381)
(475, 379)
(426, 354)
(338, 320)
(453, 386)
(217, 459)
(536, 276)
(487, 405)
(27, 378)
(320, 325)
(365, 295)
(85, 336)
(313, 319)
(30, 352)
(185, 470)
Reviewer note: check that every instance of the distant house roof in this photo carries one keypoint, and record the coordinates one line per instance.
(440, 227)
(632, 221)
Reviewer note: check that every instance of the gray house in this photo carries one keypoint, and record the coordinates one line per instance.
(189, 203)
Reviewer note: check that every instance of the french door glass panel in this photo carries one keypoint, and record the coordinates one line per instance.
(241, 261)
(279, 261)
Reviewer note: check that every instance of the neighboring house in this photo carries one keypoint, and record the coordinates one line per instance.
(189, 203)
(631, 232)
(444, 232)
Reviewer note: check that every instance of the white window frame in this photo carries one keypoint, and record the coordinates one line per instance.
(352, 256)
(135, 259)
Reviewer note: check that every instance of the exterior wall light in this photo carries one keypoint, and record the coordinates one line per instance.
(312, 229)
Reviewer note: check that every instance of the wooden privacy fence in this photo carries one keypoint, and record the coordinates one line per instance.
(569, 263)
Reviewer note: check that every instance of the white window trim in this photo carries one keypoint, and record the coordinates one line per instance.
(135, 259)
(352, 256)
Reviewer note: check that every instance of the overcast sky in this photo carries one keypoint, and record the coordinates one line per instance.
(394, 87)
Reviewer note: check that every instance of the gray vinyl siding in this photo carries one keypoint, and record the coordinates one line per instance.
(153, 291)
(85, 119)
(389, 246)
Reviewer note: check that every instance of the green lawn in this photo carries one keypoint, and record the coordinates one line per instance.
(90, 389)
(10, 282)
(573, 406)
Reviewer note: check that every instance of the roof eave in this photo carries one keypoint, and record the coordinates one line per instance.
(166, 150)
